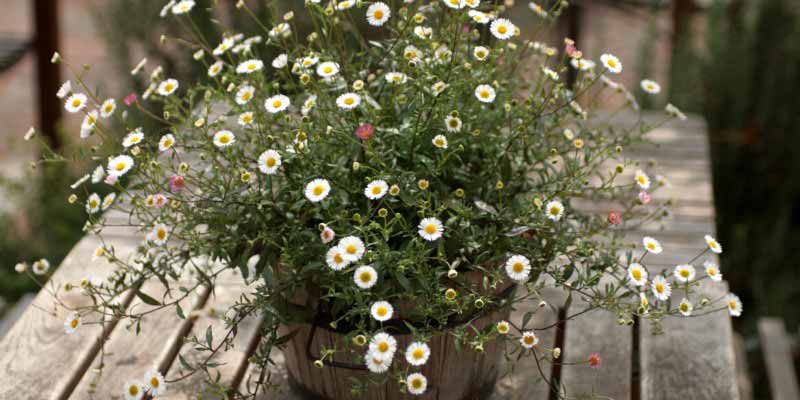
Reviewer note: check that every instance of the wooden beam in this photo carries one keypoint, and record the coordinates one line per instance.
(47, 74)
(778, 357)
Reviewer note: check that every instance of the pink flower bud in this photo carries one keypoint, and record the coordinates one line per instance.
(327, 235)
(130, 99)
(159, 200)
(365, 131)
(176, 183)
(110, 179)
(644, 197)
(614, 218)
(595, 361)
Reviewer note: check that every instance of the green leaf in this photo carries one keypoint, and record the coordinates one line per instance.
(179, 310)
(147, 299)
(209, 336)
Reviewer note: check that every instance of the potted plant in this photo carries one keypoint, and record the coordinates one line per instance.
(391, 196)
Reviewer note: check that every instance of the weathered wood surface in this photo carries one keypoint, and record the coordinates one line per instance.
(694, 360)
(778, 357)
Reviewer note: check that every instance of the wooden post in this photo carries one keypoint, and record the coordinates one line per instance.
(681, 20)
(574, 33)
(47, 74)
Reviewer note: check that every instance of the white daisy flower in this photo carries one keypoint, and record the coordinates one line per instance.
(224, 139)
(381, 311)
(661, 288)
(345, 5)
(430, 229)
(133, 138)
(479, 17)
(277, 103)
(376, 189)
(480, 53)
(452, 124)
(502, 29)
(154, 383)
(310, 102)
(643, 302)
(539, 10)
(309, 61)
(383, 346)
(98, 174)
(411, 53)
(75, 102)
(167, 87)
(503, 327)
(684, 273)
(107, 108)
(245, 94)
(64, 89)
(378, 13)
(317, 190)
(611, 63)
(650, 86)
(472, 3)
(365, 277)
(88, 124)
(582, 64)
(224, 46)
(713, 244)
(93, 203)
(134, 390)
(249, 66)
(554, 210)
(440, 141)
(423, 32)
(269, 162)
(397, 78)
(417, 353)
(348, 101)
(686, 307)
(166, 142)
(518, 268)
(485, 93)
(280, 61)
(335, 259)
(712, 271)
(72, 323)
(642, 179)
(352, 248)
(245, 118)
(283, 29)
(552, 75)
(40, 267)
(652, 245)
(119, 165)
(327, 69)
(215, 69)
(528, 340)
(377, 364)
(637, 274)
(417, 383)
(159, 234)
(183, 7)
(109, 200)
(454, 4)
(734, 305)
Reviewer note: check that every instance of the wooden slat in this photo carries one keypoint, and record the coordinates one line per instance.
(37, 350)
(693, 359)
(11, 315)
(526, 382)
(598, 332)
(742, 369)
(233, 361)
(778, 357)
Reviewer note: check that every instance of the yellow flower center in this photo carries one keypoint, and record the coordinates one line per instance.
(224, 139)
(660, 287)
(276, 104)
(351, 249)
(108, 108)
(133, 390)
(712, 271)
(318, 190)
(120, 166)
(378, 14)
(416, 383)
(684, 307)
(484, 94)
(76, 103)
(528, 340)
(502, 328)
(554, 210)
(612, 63)
(684, 273)
(161, 234)
(518, 267)
(453, 123)
(92, 203)
(271, 162)
(337, 258)
(167, 143)
(168, 87)
(430, 229)
(376, 190)
(383, 347)
(251, 67)
(73, 323)
(418, 353)
(328, 69)
(651, 246)
(382, 311)
(154, 383)
(502, 29)
(365, 277)
(637, 274)
(440, 142)
(246, 96)
(732, 305)
(349, 101)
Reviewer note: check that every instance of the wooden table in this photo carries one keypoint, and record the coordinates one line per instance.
(695, 360)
